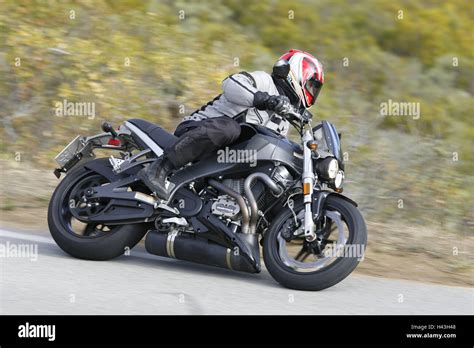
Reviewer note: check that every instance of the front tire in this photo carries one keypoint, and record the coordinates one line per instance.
(328, 276)
(98, 245)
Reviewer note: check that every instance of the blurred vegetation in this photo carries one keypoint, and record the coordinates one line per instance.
(160, 60)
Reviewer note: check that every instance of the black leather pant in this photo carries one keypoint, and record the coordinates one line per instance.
(200, 138)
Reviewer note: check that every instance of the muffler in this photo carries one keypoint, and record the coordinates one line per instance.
(189, 247)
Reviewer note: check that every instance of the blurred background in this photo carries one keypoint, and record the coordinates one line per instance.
(160, 60)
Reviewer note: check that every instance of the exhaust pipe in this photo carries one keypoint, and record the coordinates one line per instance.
(251, 198)
(189, 247)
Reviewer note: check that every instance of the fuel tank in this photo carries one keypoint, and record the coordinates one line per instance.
(260, 143)
(268, 145)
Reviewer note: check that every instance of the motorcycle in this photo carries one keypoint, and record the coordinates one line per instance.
(219, 213)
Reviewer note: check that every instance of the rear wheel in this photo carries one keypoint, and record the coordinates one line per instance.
(298, 264)
(87, 241)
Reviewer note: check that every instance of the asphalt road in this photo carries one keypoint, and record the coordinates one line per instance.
(55, 283)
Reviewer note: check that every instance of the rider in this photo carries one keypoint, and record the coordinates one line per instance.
(255, 97)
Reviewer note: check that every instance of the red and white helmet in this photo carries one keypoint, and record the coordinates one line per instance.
(306, 75)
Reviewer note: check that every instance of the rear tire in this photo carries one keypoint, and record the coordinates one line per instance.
(104, 247)
(329, 275)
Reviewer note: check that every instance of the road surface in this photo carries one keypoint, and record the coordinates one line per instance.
(54, 283)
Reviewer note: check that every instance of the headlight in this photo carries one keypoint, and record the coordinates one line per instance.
(333, 168)
(327, 168)
(339, 180)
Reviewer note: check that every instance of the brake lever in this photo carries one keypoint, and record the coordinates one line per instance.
(294, 115)
(291, 114)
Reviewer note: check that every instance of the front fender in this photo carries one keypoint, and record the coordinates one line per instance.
(319, 197)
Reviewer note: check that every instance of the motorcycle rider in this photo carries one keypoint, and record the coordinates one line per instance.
(255, 97)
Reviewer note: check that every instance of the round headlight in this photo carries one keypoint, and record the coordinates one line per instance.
(327, 167)
(333, 168)
(339, 180)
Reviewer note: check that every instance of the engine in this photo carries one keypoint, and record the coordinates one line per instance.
(226, 207)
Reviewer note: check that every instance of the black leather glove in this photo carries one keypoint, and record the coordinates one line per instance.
(278, 103)
(260, 100)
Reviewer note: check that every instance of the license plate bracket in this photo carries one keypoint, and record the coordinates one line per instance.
(70, 151)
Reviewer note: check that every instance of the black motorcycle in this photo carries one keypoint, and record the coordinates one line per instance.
(287, 200)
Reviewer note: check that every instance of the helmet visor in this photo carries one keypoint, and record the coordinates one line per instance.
(313, 87)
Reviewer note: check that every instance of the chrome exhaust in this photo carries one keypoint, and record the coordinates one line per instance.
(251, 198)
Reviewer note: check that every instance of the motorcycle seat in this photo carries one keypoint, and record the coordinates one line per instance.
(160, 136)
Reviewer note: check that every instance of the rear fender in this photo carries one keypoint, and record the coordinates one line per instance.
(103, 167)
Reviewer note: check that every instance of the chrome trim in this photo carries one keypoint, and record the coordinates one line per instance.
(146, 139)
(228, 258)
(173, 237)
(140, 196)
(277, 190)
(308, 178)
(166, 207)
(180, 221)
(170, 244)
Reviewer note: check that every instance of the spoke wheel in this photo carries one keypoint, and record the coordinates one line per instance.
(299, 264)
(303, 256)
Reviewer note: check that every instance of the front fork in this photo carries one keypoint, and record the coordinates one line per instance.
(308, 184)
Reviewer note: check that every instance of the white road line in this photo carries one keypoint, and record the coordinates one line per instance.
(26, 236)
(145, 255)
(50, 240)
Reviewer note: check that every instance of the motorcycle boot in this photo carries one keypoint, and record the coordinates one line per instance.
(155, 177)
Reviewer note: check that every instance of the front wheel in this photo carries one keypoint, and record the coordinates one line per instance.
(87, 241)
(339, 247)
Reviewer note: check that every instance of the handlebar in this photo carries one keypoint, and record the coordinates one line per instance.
(291, 113)
(294, 115)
